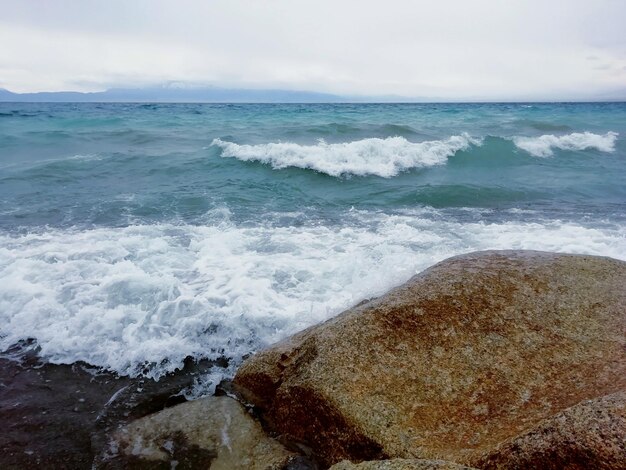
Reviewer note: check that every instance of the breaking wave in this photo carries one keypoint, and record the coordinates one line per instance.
(139, 299)
(373, 156)
(390, 156)
(543, 146)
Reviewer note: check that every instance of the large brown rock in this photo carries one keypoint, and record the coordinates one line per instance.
(214, 432)
(467, 354)
(591, 434)
(400, 464)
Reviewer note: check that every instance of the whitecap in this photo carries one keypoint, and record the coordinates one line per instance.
(543, 146)
(373, 156)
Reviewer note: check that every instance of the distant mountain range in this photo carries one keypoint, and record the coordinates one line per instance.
(177, 95)
(169, 94)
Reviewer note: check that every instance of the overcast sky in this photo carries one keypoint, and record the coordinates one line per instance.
(452, 49)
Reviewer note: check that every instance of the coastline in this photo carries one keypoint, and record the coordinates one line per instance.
(560, 311)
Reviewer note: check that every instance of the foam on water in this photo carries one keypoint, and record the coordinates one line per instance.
(373, 156)
(543, 146)
(139, 299)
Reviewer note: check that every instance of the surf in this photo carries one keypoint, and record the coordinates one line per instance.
(373, 156)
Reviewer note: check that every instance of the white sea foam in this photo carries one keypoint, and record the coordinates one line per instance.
(543, 146)
(153, 294)
(380, 157)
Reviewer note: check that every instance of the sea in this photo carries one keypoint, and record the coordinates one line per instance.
(133, 236)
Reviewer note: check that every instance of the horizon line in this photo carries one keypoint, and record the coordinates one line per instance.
(581, 101)
(318, 97)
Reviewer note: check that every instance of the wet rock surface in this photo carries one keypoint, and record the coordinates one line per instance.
(591, 434)
(212, 432)
(57, 416)
(400, 464)
(472, 352)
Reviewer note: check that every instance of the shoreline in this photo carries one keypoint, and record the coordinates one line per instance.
(345, 389)
(59, 414)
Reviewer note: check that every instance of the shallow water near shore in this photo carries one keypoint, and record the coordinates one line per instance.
(134, 236)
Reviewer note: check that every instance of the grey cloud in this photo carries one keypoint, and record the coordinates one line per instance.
(515, 48)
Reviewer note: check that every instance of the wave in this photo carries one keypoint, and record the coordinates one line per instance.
(543, 146)
(373, 156)
(389, 156)
(139, 299)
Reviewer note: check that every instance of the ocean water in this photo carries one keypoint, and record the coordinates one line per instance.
(135, 235)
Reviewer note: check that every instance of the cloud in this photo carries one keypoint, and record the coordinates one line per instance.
(447, 49)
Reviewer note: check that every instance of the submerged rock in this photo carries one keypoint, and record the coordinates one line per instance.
(213, 432)
(467, 354)
(48, 411)
(591, 434)
(56, 415)
(400, 464)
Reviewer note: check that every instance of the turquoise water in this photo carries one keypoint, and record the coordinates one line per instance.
(133, 235)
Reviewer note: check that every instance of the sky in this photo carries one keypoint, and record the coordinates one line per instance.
(443, 49)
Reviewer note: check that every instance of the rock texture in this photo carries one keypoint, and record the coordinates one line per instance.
(591, 434)
(55, 415)
(464, 356)
(214, 432)
(400, 464)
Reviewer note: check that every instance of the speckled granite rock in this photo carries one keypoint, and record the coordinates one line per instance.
(591, 434)
(400, 464)
(214, 432)
(465, 355)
